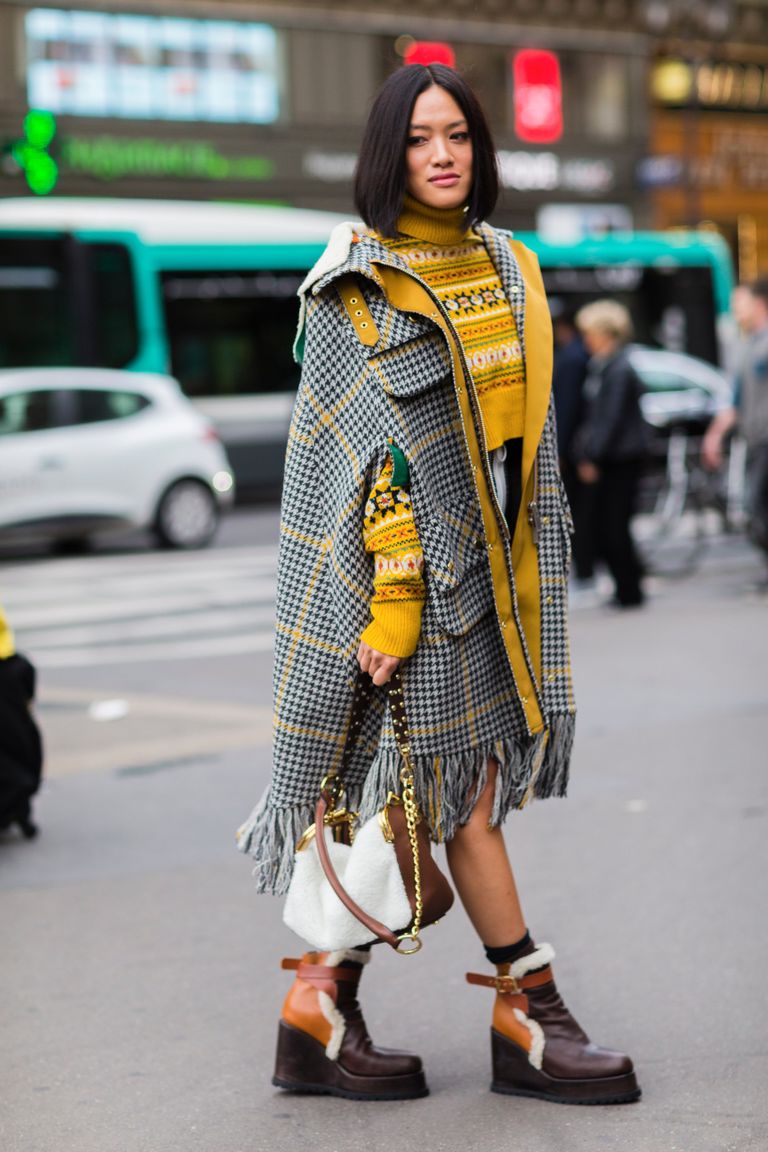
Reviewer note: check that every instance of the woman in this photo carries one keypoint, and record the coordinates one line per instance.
(424, 528)
(611, 445)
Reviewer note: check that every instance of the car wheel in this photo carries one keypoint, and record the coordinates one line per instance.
(187, 516)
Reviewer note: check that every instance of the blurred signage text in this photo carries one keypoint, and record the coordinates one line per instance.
(715, 84)
(110, 158)
(548, 172)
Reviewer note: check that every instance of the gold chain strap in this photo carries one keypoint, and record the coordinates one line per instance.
(412, 817)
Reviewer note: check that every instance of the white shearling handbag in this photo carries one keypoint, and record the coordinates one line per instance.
(350, 886)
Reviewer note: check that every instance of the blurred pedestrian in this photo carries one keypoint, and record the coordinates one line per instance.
(568, 376)
(611, 444)
(21, 754)
(423, 526)
(749, 413)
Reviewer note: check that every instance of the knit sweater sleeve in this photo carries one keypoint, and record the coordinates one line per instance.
(398, 598)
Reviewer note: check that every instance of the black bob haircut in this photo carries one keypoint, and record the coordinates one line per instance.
(380, 175)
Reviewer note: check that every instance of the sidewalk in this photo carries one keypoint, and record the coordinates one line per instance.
(139, 972)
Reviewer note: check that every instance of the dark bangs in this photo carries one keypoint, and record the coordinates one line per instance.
(380, 175)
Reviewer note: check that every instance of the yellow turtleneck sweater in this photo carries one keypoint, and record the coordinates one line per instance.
(455, 264)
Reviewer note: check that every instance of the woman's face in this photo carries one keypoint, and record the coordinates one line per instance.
(599, 342)
(439, 151)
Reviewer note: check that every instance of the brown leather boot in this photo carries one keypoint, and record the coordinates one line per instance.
(323, 1044)
(537, 1047)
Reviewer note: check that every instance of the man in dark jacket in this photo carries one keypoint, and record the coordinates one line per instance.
(569, 373)
(611, 443)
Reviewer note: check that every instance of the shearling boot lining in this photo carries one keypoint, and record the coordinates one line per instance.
(337, 1023)
(543, 955)
(536, 1053)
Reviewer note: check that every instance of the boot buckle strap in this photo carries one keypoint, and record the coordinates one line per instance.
(506, 985)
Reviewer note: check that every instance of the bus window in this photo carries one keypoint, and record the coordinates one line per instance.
(672, 306)
(66, 302)
(231, 333)
(116, 326)
(35, 319)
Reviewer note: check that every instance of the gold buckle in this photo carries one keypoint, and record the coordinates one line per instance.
(506, 985)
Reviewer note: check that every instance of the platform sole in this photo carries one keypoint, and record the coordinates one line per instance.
(514, 1075)
(302, 1066)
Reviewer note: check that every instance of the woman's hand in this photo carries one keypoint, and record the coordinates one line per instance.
(378, 665)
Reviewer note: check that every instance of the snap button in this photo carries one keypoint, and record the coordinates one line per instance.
(545, 520)
(551, 677)
(550, 600)
(503, 623)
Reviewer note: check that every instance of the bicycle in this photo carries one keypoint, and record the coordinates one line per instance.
(688, 505)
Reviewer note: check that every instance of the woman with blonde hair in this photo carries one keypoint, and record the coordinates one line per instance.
(424, 529)
(611, 444)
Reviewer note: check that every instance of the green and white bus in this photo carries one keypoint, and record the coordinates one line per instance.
(207, 293)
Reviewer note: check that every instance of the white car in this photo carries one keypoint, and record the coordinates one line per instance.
(88, 449)
(679, 388)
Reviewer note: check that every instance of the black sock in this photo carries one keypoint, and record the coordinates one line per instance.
(509, 952)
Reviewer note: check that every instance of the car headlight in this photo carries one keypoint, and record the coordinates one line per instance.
(223, 482)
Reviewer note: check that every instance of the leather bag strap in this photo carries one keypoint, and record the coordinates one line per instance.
(370, 922)
(362, 695)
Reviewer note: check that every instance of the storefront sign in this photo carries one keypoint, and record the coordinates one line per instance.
(111, 157)
(548, 172)
(538, 96)
(714, 84)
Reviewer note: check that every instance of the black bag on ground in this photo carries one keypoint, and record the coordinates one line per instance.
(21, 748)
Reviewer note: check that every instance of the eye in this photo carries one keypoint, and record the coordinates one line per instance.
(461, 137)
(415, 140)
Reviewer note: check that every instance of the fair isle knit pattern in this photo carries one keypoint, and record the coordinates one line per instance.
(457, 267)
(398, 584)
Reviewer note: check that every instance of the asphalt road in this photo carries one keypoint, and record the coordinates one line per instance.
(139, 979)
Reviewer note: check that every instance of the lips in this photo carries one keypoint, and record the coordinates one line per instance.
(445, 181)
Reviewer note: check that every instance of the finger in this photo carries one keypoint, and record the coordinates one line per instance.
(364, 656)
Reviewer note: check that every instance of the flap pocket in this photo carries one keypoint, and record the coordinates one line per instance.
(410, 368)
(459, 587)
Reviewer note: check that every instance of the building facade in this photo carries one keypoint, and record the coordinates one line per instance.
(252, 101)
(266, 102)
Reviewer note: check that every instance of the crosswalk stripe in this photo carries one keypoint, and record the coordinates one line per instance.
(134, 608)
(120, 654)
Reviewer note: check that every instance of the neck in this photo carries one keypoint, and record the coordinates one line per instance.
(435, 225)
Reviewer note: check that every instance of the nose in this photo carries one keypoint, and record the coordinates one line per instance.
(441, 153)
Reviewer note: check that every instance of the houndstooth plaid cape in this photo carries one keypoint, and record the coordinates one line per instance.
(461, 698)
